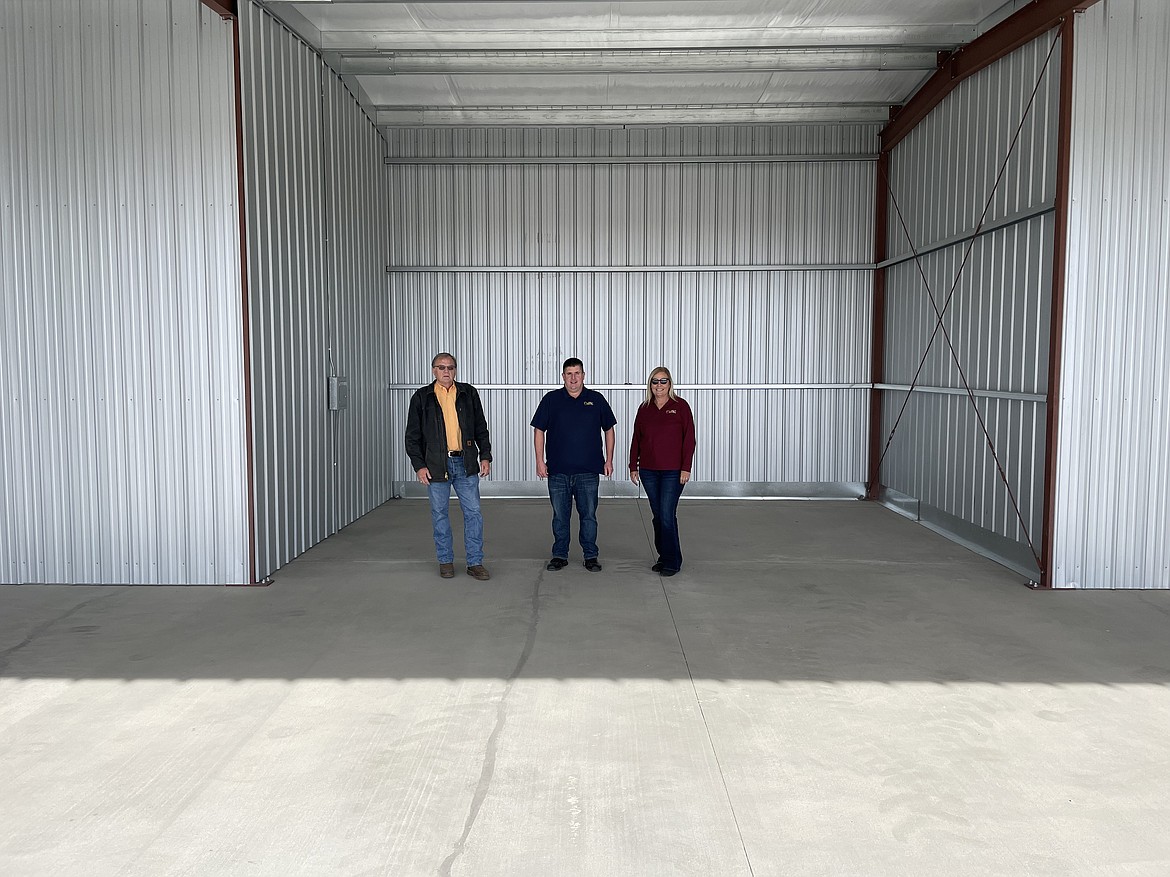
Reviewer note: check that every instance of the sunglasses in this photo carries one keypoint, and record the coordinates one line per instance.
(660, 380)
(445, 368)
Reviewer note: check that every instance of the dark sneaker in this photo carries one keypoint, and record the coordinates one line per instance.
(447, 570)
(479, 572)
(657, 567)
(556, 563)
(592, 565)
(668, 572)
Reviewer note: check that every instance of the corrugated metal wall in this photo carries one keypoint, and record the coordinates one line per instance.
(1112, 527)
(942, 176)
(316, 257)
(284, 178)
(747, 277)
(122, 426)
(362, 448)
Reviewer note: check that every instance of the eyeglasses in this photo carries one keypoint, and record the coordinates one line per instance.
(660, 380)
(445, 368)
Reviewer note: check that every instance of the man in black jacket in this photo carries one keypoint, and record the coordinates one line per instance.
(448, 443)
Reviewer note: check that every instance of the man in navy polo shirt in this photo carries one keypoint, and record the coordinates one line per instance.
(568, 427)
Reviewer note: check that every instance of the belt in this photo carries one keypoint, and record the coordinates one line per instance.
(454, 453)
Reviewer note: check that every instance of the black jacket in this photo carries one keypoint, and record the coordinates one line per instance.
(426, 433)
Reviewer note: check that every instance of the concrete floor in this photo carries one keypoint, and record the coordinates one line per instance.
(827, 689)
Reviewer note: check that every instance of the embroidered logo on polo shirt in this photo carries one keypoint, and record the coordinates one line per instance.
(672, 411)
(587, 403)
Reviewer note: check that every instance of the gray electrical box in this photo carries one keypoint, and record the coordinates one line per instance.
(338, 393)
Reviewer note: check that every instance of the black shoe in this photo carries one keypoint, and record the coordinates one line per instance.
(556, 563)
(592, 565)
(667, 572)
(657, 567)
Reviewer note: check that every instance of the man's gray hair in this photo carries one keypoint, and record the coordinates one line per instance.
(435, 359)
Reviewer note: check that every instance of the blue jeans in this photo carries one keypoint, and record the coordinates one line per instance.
(467, 489)
(663, 490)
(562, 491)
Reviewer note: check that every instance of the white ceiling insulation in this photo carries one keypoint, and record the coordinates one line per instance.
(593, 63)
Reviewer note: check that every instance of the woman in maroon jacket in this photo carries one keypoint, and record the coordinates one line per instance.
(660, 454)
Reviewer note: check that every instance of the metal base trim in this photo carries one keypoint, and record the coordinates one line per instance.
(613, 488)
(1015, 556)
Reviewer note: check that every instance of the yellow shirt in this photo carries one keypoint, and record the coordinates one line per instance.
(450, 418)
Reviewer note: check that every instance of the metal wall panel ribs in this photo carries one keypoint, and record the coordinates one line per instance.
(523, 270)
(359, 345)
(971, 189)
(122, 433)
(1112, 526)
(316, 261)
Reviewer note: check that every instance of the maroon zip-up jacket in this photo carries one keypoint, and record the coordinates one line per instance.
(664, 438)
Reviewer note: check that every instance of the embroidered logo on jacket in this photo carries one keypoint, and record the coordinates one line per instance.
(587, 403)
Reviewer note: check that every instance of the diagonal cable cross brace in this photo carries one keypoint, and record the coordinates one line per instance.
(940, 314)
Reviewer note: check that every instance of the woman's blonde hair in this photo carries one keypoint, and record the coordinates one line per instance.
(661, 370)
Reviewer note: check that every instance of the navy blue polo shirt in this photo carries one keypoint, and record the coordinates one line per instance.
(573, 430)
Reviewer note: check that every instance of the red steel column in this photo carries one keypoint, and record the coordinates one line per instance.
(877, 369)
(228, 9)
(1059, 274)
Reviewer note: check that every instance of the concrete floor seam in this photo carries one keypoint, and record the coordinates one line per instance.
(46, 626)
(707, 728)
(490, 751)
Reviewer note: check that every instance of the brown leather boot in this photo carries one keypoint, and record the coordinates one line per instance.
(479, 572)
(447, 570)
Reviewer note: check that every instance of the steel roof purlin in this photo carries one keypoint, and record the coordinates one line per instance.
(469, 63)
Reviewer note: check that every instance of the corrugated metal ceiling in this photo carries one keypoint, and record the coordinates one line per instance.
(601, 63)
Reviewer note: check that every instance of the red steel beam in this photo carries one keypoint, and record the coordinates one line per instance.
(1021, 28)
(224, 8)
(1059, 274)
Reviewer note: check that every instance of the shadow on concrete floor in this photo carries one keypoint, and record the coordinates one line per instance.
(776, 590)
